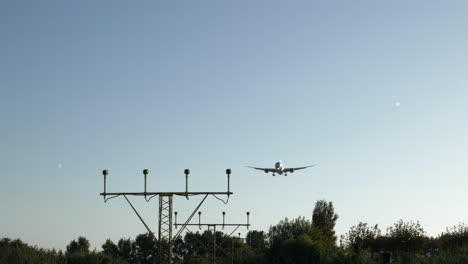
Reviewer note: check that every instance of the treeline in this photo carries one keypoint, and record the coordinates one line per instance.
(290, 241)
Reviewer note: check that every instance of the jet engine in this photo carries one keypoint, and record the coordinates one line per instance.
(291, 170)
(266, 171)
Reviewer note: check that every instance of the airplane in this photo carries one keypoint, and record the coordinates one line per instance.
(280, 169)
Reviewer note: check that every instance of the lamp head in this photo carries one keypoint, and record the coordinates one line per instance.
(228, 171)
(105, 172)
(187, 171)
(145, 172)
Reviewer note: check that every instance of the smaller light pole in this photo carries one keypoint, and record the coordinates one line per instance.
(187, 172)
(228, 172)
(145, 172)
(199, 220)
(224, 214)
(105, 172)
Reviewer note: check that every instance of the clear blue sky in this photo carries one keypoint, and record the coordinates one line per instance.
(373, 92)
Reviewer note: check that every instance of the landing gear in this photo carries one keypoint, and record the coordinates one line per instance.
(274, 174)
(285, 174)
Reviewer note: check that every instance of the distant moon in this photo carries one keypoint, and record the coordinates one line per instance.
(59, 165)
(397, 104)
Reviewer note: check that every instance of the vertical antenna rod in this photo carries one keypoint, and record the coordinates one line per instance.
(105, 172)
(187, 172)
(199, 219)
(224, 214)
(145, 172)
(228, 172)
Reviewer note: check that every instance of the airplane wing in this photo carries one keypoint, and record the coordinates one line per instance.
(294, 169)
(263, 169)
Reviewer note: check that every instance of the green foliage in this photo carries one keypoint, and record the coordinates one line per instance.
(90, 258)
(81, 246)
(145, 249)
(300, 250)
(361, 237)
(456, 237)
(366, 257)
(457, 256)
(290, 241)
(409, 237)
(255, 259)
(256, 240)
(193, 244)
(125, 249)
(324, 218)
(17, 252)
(195, 259)
(286, 230)
(110, 249)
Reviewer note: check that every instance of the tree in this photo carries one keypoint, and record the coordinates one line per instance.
(300, 250)
(408, 237)
(193, 244)
(109, 248)
(256, 239)
(125, 249)
(361, 237)
(145, 249)
(81, 246)
(454, 238)
(324, 218)
(286, 229)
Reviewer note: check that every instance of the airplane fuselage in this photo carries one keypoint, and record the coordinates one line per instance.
(279, 168)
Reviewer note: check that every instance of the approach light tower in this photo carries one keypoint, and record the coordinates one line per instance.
(165, 209)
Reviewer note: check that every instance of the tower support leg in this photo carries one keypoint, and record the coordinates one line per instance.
(165, 229)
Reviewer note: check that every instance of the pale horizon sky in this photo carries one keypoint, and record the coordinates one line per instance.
(375, 93)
